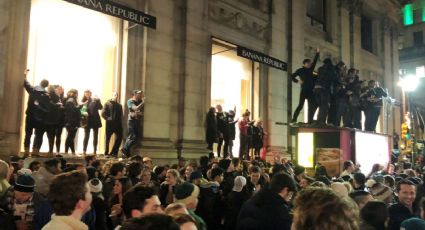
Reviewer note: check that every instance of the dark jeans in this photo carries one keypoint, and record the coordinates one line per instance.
(58, 137)
(133, 135)
(333, 107)
(322, 99)
(110, 130)
(336, 113)
(30, 125)
(87, 136)
(38, 138)
(227, 147)
(352, 117)
(52, 132)
(312, 106)
(69, 142)
(219, 145)
(372, 116)
(243, 148)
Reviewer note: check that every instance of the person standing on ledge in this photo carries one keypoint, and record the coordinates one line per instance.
(37, 107)
(135, 106)
(112, 113)
(306, 80)
(93, 122)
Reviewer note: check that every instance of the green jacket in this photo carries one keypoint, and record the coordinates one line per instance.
(199, 221)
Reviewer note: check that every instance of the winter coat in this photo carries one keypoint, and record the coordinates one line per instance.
(211, 125)
(163, 191)
(72, 113)
(211, 205)
(354, 98)
(228, 182)
(7, 221)
(55, 114)
(93, 107)
(43, 217)
(38, 104)
(327, 77)
(306, 75)
(398, 213)
(112, 113)
(234, 203)
(43, 178)
(7, 203)
(221, 124)
(99, 206)
(266, 210)
(230, 132)
(257, 137)
(372, 97)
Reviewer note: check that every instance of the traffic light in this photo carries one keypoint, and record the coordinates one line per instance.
(405, 131)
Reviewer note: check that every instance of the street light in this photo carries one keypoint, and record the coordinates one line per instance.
(409, 83)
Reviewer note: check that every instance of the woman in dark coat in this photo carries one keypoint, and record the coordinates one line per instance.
(59, 128)
(257, 137)
(93, 120)
(53, 117)
(72, 119)
(211, 125)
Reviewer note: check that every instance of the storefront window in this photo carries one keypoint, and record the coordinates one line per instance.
(76, 48)
(232, 84)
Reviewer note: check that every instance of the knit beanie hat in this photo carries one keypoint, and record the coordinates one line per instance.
(195, 175)
(24, 171)
(240, 182)
(186, 192)
(224, 164)
(95, 185)
(24, 183)
(298, 170)
(413, 224)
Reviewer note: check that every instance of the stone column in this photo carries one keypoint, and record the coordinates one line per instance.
(161, 79)
(355, 39)
(277, 79)
(386, 62)
(344, 32)
(396, 90)
(14, 30)
(283, 95)
(196, 44)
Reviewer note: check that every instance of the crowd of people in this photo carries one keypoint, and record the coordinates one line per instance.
(338, 94)
(50, 111)
(221, 129)
(211, 193)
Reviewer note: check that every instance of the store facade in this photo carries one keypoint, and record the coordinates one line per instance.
(186, 64)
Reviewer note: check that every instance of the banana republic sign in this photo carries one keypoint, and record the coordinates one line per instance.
(117, 10)
(262, 58)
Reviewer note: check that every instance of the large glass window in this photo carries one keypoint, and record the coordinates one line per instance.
(76, 48)
(234, 83)
(316, 12)
(366, 34)
(418, 38)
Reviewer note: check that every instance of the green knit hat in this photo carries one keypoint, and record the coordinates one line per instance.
(186, 193)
